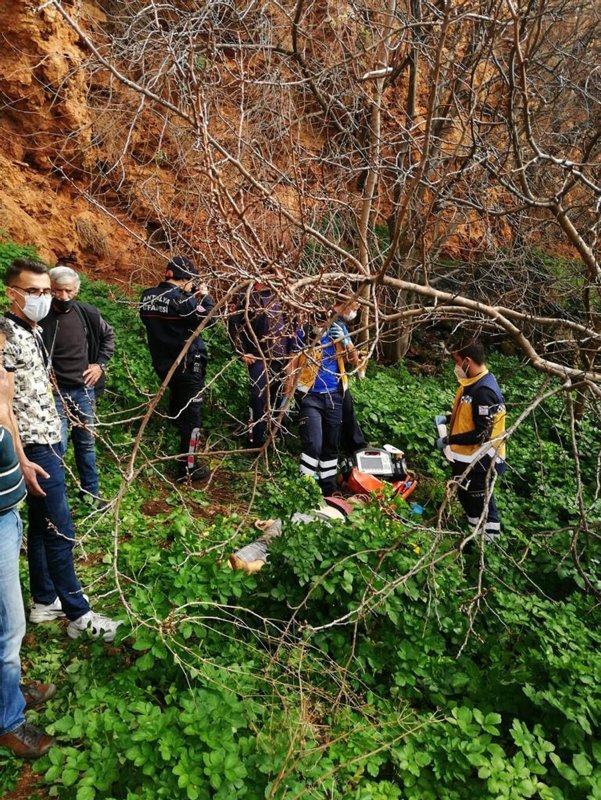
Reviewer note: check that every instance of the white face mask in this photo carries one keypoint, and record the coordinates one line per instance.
(460, 373)
(36, 308)
(350, 316)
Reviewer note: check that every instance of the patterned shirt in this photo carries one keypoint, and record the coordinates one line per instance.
(33, 403)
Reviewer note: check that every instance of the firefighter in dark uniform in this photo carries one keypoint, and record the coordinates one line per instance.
(171, 312)
(476, 441)
(319, 371)
(263, 337)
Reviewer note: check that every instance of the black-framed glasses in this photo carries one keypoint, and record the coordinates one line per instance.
(34, 292)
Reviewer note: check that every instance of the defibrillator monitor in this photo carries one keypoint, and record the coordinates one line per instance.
(374, 462)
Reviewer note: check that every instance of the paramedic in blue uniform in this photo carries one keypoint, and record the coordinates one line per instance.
(171, 313)
(476, 437)
(263, 336)
(319, 376)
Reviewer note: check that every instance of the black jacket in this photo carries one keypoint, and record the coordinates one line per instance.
(170, 316)
(258, 326)
(99, 335)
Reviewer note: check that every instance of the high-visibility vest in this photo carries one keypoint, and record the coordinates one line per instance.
(310, 364)
(462, 421)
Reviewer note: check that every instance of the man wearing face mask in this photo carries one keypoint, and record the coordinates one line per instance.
(476, 438)
(80, 344)
(55, 588)
(319, 375)
(171, 312)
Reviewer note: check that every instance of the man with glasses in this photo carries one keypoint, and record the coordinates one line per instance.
(55, 588)
(80, 344)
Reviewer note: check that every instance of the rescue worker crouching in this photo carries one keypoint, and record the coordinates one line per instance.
(476, 438)
(321, 383)
(171, 312)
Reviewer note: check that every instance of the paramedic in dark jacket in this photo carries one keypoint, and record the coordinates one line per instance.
(263, 337)
(80, 344)
(171, 313)
(476, 441)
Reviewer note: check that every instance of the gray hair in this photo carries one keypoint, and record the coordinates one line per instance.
(60, 275)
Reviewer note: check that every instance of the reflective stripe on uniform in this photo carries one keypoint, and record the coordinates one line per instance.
(307, 471)
(467, 458)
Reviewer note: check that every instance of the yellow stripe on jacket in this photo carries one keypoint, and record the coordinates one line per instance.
(462, 421)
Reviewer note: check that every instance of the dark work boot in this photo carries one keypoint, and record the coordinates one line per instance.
(199, 473)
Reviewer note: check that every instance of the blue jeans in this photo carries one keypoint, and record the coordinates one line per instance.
(51, 536)
(76, 409)
(12, 622)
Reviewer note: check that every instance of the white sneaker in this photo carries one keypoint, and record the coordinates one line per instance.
(41, 613)
(98, 626)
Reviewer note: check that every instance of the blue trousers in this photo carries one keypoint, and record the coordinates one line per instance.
(51, 536)
(12, 622)
(320, 420)
(76, 409)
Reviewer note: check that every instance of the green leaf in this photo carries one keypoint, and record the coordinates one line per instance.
(582, 765)
(70, 776)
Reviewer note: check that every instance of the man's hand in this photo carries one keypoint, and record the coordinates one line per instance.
(92, 374)
(31, 472)
(441, 419)
(337, 333)
(248, 359)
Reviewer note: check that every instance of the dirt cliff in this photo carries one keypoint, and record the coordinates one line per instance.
(46, 145)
